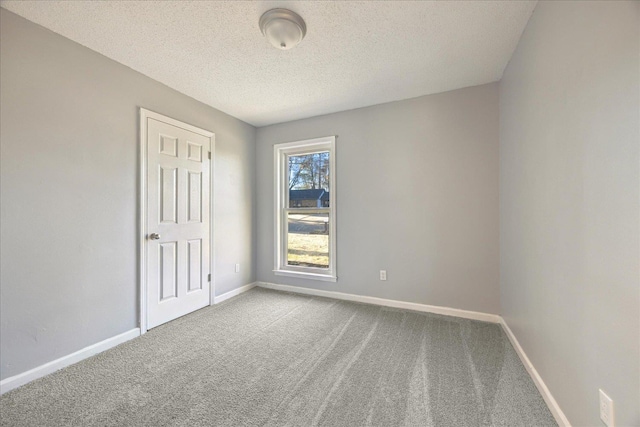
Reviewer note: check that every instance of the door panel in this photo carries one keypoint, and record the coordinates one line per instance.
(194, 265)
(178, 189)
(194, 202)
(168, 269)
(168, 195)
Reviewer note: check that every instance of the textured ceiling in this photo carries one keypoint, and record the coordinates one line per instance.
(355, 54)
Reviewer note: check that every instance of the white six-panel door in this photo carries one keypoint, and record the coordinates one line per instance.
(177, 220)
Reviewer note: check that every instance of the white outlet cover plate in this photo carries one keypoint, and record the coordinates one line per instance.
(606, 409)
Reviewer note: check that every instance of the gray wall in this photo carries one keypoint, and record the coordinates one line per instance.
(417, 191)
(69, 148)
(569, 186)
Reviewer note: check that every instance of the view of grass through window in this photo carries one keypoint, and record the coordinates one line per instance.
(308, 214)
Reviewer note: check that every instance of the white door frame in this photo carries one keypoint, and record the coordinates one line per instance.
(142, 217)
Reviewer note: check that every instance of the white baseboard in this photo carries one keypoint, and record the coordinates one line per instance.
(474, 315)
(233, 293)
(557, 413)
(55, 365)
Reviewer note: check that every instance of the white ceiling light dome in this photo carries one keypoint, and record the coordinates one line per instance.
(283, 28)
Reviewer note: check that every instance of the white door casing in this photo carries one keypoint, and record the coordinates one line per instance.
(176, 219)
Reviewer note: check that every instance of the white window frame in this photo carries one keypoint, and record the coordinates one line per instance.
(281, 174)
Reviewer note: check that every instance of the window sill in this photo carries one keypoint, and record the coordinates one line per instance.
(310, 276)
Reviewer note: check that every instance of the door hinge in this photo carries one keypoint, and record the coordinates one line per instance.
(209, 155)
(209, 277)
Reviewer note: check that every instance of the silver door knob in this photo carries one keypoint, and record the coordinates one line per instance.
(154, 236)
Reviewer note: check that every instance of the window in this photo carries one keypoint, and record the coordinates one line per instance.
(305, 209)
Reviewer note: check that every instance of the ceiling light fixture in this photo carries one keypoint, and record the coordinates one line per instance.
(283, 28)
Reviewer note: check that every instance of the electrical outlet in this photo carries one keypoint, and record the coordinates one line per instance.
(383, 274)
(606, 409)
(237, 268)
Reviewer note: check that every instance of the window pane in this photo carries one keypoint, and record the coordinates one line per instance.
(309, 180)
(308, 240)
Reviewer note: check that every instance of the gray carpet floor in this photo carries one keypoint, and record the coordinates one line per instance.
(268, 358)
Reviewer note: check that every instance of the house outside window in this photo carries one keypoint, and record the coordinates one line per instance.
(305, 226)
(314, 198)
